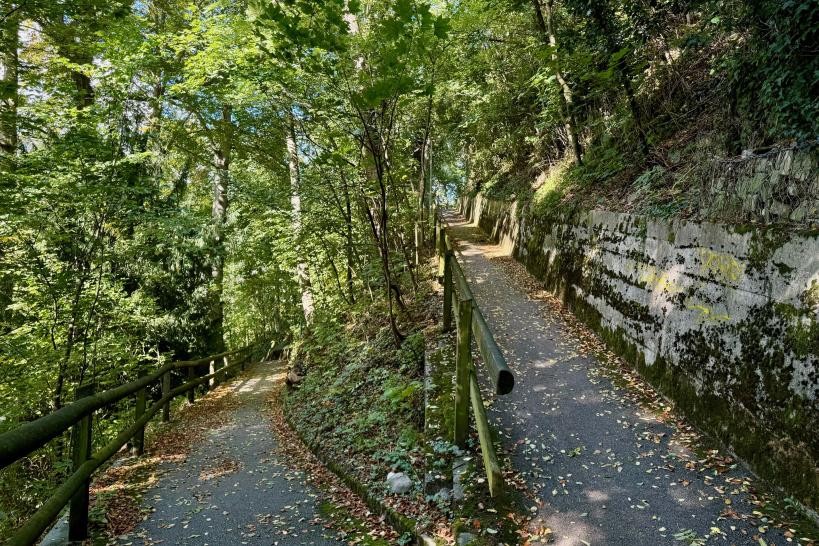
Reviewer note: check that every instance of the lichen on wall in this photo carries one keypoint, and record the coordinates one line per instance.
(723, 319)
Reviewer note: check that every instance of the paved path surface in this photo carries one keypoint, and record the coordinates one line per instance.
(232, 489)
(607, 472)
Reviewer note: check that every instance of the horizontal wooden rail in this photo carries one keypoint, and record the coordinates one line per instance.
(78, 481)
(461, 285)
(494, 476)
(39, 522)
(19, 442)
(33, 435)
(502, 377)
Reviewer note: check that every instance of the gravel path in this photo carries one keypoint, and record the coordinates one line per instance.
(604, 470)
(233, 489)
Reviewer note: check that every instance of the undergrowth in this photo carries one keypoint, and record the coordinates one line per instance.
(361, 399)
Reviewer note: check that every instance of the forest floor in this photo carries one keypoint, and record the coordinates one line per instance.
(606, 460)
(245, 479)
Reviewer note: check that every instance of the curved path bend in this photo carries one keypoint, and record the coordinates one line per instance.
(233, 488)
(604, 470)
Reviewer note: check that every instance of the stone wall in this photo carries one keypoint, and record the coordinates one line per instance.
(723, 319)
(779, 186)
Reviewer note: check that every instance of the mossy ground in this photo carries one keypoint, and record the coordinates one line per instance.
(353, 527)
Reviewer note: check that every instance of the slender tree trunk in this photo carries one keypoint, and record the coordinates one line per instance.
(302, 272)
(428, 183)
(221, 182)
(632, 104)
(546, 25)
(378, 227)
(70, 340)
(602, 20)
(348, 236)
(378, 215)
(157, 17)
(379, 220)
(9, 64)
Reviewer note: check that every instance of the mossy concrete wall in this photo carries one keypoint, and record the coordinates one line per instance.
(723, 319)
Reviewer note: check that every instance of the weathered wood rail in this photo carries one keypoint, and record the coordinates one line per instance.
(470, 324)
(77, 416)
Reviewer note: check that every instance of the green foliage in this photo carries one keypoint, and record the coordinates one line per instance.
(182, 176)
(138, 122)
(773, 75)
(402, 395)
(365, 406)
(638, 83)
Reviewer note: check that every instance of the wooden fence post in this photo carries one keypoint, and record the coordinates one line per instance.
(211, 369)
(441, 252)
(138, 441)
(448, 257)
(463, 362)
(192, 390)
(166, 390)
(81, 451)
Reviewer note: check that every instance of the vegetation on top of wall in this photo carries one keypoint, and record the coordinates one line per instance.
(652, 104)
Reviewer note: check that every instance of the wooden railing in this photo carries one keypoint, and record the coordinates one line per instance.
(469, 323)
(77, 416)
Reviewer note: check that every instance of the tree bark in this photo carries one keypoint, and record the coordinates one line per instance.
(348, 236)
(302, 273)
(379, 220)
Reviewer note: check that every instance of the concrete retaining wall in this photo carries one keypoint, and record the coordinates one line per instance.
(723, 319)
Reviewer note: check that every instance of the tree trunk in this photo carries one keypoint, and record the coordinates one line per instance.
(302, 272)
(566, 99)
(602, 21)
(8, 129)
(378, 215)
(348, 236)
(9, 64)
(85, 91)
(221, 182)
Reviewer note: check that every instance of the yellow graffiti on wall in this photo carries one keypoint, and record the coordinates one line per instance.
(707, 314)
(720, 266)
(655, 279)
